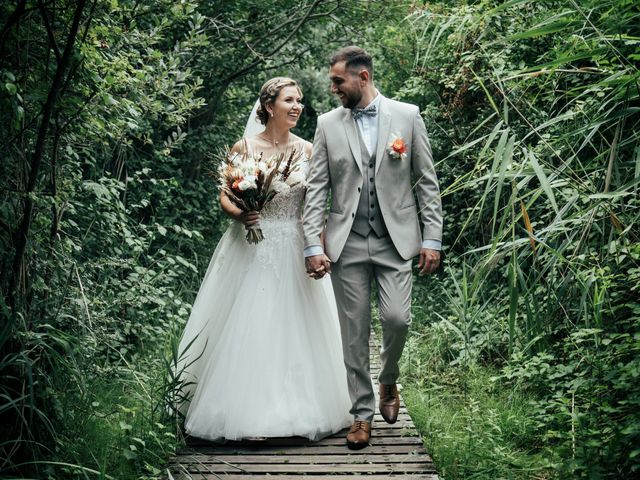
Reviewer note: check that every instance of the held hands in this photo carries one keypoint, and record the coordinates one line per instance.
(318, 266)
(429, 261)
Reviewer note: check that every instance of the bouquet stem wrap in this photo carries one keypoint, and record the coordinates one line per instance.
(254, 234)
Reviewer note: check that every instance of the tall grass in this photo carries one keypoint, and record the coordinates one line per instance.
(537, 131)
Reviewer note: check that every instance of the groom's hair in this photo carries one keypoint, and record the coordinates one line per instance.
(353, 57)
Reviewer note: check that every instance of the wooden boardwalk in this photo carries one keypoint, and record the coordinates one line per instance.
(396, 451)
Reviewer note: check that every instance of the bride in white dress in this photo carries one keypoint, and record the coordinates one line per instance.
(261, 354)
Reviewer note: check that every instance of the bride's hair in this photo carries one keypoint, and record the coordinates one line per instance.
(269, 92)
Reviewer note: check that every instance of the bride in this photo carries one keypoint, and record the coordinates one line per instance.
(261, 353)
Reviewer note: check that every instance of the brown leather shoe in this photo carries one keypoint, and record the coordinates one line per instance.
(389, 402)
(358, 436)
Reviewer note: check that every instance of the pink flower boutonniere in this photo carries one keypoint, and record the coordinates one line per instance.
(398, 149)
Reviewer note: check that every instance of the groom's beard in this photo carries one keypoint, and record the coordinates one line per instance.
(351, 100)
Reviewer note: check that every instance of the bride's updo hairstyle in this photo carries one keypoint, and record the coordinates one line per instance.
(269, 92)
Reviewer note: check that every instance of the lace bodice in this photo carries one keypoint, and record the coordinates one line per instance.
(286, 205)
(280, 219)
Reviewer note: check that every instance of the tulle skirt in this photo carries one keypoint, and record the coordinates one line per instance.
(261, 350)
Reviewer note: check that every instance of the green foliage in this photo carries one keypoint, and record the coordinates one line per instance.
(108, 218)
(472, 426)
(531, 111)
(111, 114)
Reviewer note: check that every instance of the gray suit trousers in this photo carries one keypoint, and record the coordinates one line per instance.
(362, 261)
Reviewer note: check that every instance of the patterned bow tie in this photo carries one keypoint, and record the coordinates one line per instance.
(371, 111)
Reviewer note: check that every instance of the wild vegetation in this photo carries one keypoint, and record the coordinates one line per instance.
(524, 356)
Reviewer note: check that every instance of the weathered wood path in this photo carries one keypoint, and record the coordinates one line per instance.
(396, 451)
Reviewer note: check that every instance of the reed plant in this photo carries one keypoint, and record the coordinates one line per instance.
(533, 111)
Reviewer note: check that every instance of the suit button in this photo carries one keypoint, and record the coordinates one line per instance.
(358, 189)
(353, 215)
(371, 165)
(373, 206)
(371, 179)
(372, 219)
(371, 193)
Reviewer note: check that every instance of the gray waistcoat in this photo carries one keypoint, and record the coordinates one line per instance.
(368, 216)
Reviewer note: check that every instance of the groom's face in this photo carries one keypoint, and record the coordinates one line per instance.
(346, 84)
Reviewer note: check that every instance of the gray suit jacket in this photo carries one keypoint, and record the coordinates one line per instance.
(336, 168)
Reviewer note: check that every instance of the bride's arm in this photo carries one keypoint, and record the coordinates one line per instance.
(308, 147)
(229, 208)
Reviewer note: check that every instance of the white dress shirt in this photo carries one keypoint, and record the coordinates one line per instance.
(368, 125)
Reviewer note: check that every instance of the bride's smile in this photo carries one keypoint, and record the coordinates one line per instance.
(287, 108)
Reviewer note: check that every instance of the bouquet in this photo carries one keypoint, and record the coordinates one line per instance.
(251, 182)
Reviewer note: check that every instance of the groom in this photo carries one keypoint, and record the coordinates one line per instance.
(364, 155)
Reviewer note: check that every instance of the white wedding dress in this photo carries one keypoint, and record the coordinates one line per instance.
(262, 348)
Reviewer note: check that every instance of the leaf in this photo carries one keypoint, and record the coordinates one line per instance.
(513, 300)
(527, 225)
(11, 88)
(507, 155)
(109, 100)
(567, 59)
(544, 181)
(486, 92)
(495, 165)
(543, 30)
(129, 455)
(125, 426)
(610, 195)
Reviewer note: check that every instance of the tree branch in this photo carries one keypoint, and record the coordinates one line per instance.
(276, 49)
(36, 160)
(47, 27)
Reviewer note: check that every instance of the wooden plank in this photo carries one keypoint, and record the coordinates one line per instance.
(307, 458)
(313, 450)
(380, 437)
(398, 424)
(388, 432)
(311, 469)
(332, 441)
(213, 476)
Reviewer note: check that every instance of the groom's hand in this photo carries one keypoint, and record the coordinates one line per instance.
(429, 261)
(318, 266)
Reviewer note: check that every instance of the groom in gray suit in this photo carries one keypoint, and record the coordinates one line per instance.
(364, 155)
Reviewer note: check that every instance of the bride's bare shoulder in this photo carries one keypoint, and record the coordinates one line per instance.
(245, 145)
(239, 147)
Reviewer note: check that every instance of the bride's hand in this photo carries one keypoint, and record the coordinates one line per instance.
(249, 219)
(318, 266)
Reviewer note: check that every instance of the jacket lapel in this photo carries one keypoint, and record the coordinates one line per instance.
(352, 137)
(384, 126)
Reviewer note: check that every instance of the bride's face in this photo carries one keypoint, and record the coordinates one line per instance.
(287, 107)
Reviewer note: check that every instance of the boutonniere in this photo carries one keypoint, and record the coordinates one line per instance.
(398, 149)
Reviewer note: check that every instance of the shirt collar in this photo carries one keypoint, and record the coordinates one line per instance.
(376, 100)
